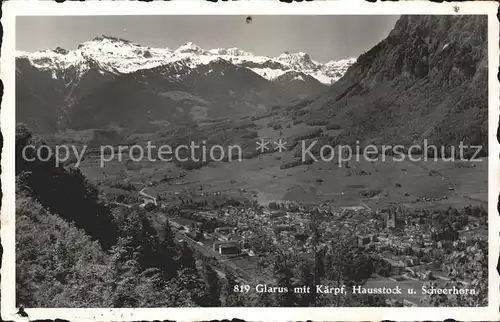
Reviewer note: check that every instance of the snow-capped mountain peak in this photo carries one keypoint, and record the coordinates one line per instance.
(190, 48)
(108, 45)
(230, 52)
(337, 68)
(342, 62)
(299, 60)
(61, 51)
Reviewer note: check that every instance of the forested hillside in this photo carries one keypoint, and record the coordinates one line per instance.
(72, 251)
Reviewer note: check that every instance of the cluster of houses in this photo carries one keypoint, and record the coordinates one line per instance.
(228, 241)
(224, 240)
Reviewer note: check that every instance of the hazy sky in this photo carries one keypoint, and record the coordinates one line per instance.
(323, 37)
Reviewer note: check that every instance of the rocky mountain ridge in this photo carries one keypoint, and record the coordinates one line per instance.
(108, 78)
(120, 56)
(428, 80)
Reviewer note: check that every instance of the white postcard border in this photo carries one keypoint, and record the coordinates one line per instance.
(12, 9)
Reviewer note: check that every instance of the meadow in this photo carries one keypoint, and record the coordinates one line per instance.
(388, 181)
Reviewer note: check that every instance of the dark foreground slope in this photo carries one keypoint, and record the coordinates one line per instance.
(427, 80)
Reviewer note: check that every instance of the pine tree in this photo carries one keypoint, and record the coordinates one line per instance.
(185, 258)
(212, 285)
(168, 251)
(230, 294)
(189, 280)
(122, 273)
(283, 276)
(307, 279)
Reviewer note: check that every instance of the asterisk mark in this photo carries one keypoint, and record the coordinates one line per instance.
(280, 145)
(262, 145)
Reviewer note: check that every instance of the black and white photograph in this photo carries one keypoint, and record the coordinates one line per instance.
(252, 161)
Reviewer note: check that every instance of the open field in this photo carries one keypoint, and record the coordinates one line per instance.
(428, 184)
(375, 185)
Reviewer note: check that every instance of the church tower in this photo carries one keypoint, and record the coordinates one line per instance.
(391, 219)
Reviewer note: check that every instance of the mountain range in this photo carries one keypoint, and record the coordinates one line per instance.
(427, 80)
(109, 80)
